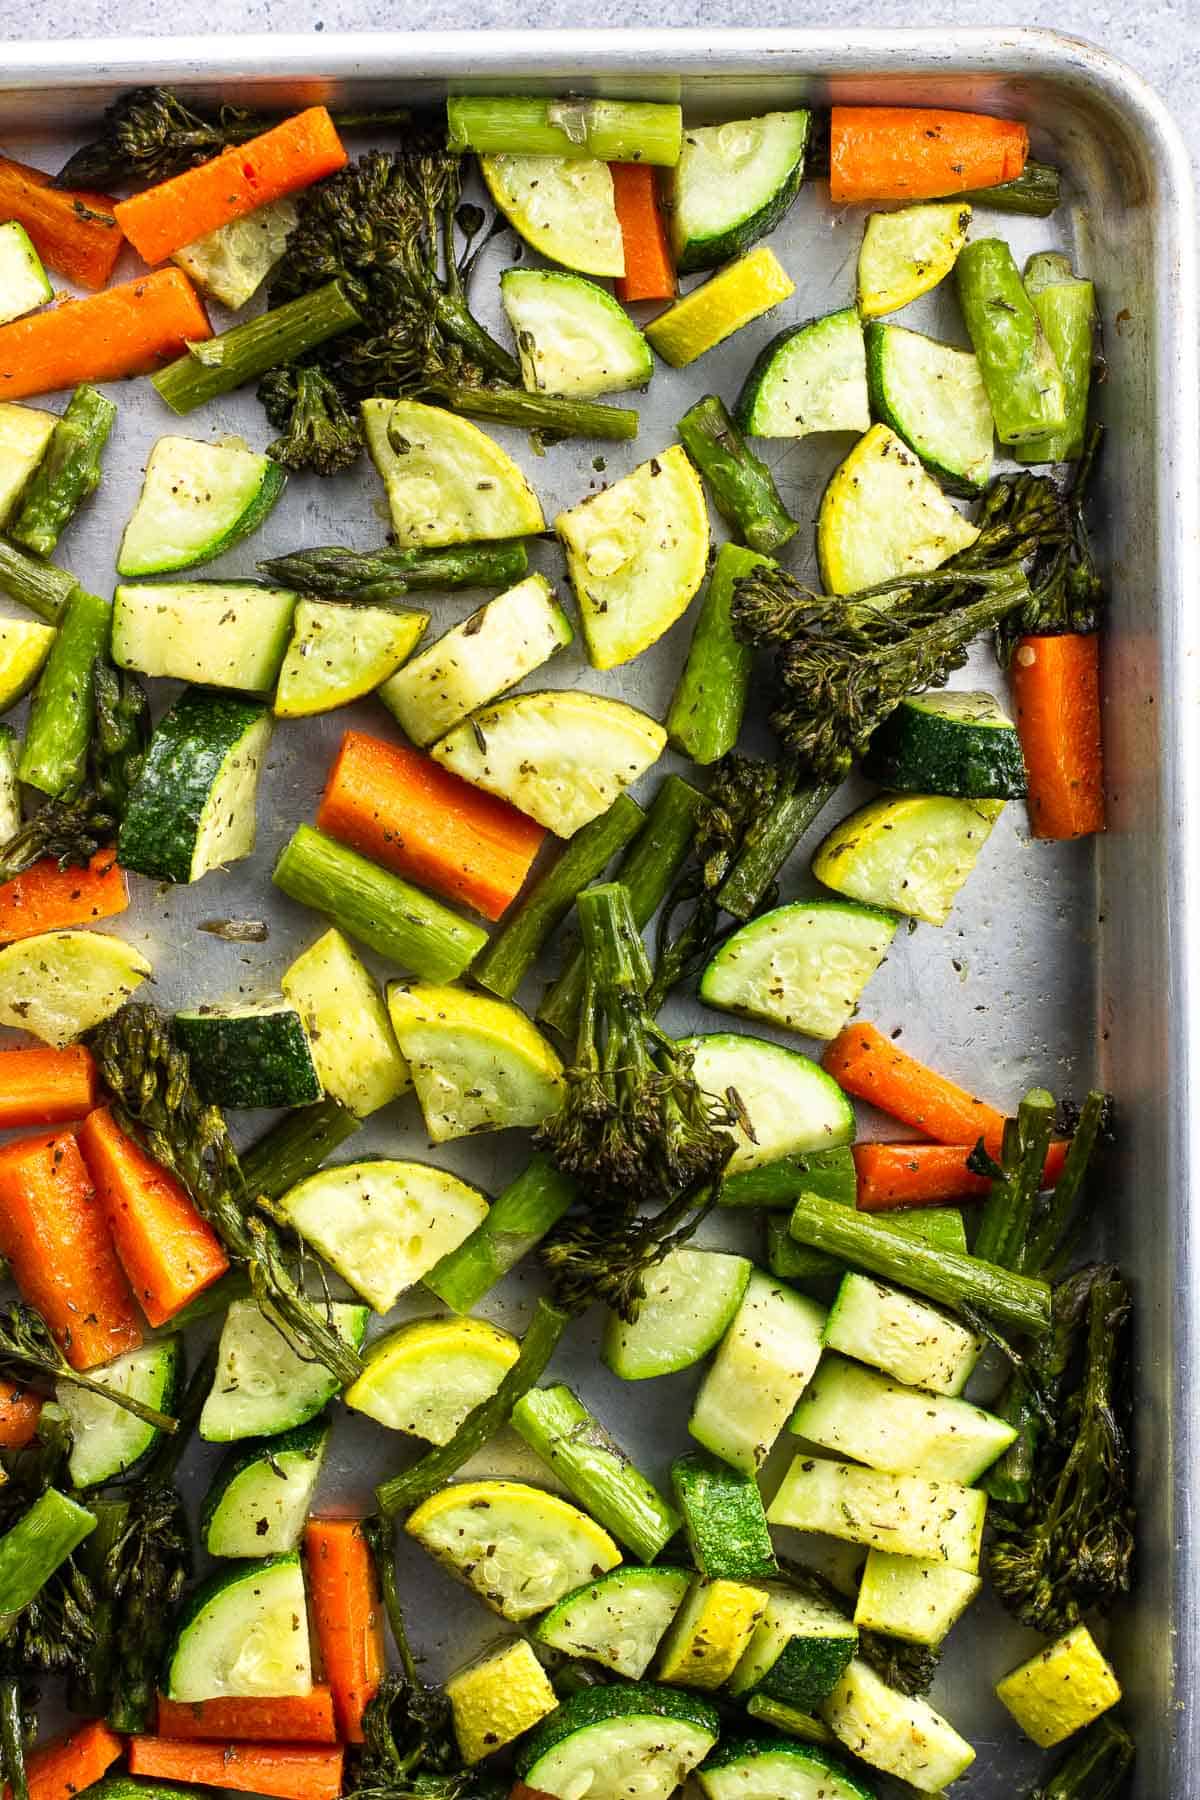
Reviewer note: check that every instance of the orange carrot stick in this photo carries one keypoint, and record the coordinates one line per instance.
(47, 898)
(75, 234)
(169, 1253)
(65, 1765)
(1056, 695)
(869, 1066)
(649, 272)
(407, 812)
(20, 1411)
(41, 1086)
(291, 155)
(891, 1175)
(919, 152)
(348, 1614)
(53, 1234)
(132, 329)
(291, 1719)
(290, 1771)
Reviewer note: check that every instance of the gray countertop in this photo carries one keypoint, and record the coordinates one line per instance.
(1160, 38)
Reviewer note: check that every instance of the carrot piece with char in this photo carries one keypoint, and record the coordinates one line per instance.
(290, 1718)
(919, 152)
(1056, 699)
(649, 271)
(893, 1175)
(65, 1765)
(75, 234)
(869, 1066)
(47, 898)
(348, 1614)
(131, 329)
(20, 1411)
(288, 1771)
(43, 1086)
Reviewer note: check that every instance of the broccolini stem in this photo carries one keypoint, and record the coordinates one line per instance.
(743, 488)
(41, 587)
(769, 843)
(218, 365)
(380, 1534)
(296, 1147)
(371, 576)
(458, 322)
(1047, 1241)
(1095, 1768)
(1004, 1226)
(537, 412)
(12, 1738)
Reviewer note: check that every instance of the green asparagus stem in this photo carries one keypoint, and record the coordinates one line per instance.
(1095, 1768)
(572, 1443)
(1009, 1208)
(790, 1720)
(41, 587)
(508, 957)
(743, 488)
(26, 1346)
(220, 364)
(1036, 191)
(941, 1226)
(778, 1184)
(12, 1738)
(34, 1547)
(646, 871)
(10, 789)
(769, 843)
(1017, 1301)
(371, 904)
(1051, 1234)
(296, 1147)
(1067, 310)
(156, 1102)
(371, 576)
(705, 716)
(610, 130)
(54, 757)
(406, 1490)
(1022, 378)
(516, 1222)
(67, 474)
(552, 413)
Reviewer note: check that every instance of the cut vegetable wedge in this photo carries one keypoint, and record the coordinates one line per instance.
(710, 1632)
(59, 984)
(637, 553)
(563, 207)
(732, 185)
(860, 1414)
(353, 1045)
(447, 482)
(791, 1103)
(478, 1064)
(197, 501)
(801, 966)
(263, 1382)
(906, 253)
(561, 756)
(906, 1514)
(24, 647)
(262, 1494)
(912, 1598)
(618, 1620)
(426, 1376)
(518, 1547)
(25, 432)
(883, 516)
(339, 653)
(222, 634)
(810, 377)
(690, 1298)
(933, 396)
(911, 853)
(612, 1742)
(764, 1363)
(740, 292)
(899, 1733)
(232, 262)
(572, 336)
(773, 1769)
(243, 1632)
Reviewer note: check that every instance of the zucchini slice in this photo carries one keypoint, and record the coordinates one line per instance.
(766, 1360)
(261, 1495)
(810, 377)
(798, 1651)
(192, 808)
(739, 293)
(520, 1548)
(611, 1742)
(483, 657)
(802, 966)
(860, 1415)
(690, 1298)
(59, 984)
(912, 1597)
(906, 253)
(498, 1697)
(619, 1620)
(561, 756)
(353, 1046)
(898, 1733)
(197, 501)
(723, 1517)
(932, 396)
(426, 1376)
(906, 1514)
(910, 1339)
(563, 207)
(244, 1632)
(447, 482)
(340, 653)
(222, 634)
(253, 1053)
(24, 647)
(232, 262)
(382, 1224)
(710, 1632)
(732, 185)
(636, 554)
(478, 1064)
(106, 1440)
(24, 284)
(25, 433)
(791, 1102)
(911, 854)
(953, 742)
(772, 1769)
(262, 1384)
(883, 516)
(572, 336)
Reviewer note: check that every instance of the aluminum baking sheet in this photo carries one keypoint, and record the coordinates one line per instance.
(1061, 964)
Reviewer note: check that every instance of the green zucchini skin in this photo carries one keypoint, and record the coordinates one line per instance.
(706, 248)
(251, 1057)
(595, 1705)
(924, 748)
(724, 1519)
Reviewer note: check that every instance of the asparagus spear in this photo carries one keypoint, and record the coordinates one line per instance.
(592, 1466)
(507, 958)
(1095, 1768)
(705, 716)
(516, 1222)
(646, 871)
(1036, 191)
(34, 1547)
(743, 488)
(1067, 310)
(560, 414)
(370, 576)
(1004, 1225)
(296, 1147)
(41, 587)
(67, 474)
(407, 1490)
(1018, 1301)
(220, 364)
(54, 757)
(778, 1184)
(610, 130)
(1023, 381)
(769, 842)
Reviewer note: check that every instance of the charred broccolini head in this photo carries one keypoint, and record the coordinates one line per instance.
(320, 432)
